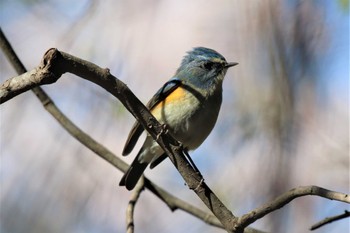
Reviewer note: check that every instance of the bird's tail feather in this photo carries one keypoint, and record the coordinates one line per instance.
(133, 174)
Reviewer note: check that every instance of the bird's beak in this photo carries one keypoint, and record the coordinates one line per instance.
(230, 64)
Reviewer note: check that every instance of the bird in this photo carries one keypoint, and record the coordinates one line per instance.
(188, 104)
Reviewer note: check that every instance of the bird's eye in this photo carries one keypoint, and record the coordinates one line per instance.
(207, 65)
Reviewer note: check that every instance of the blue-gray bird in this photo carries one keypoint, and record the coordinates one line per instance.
(189, 105)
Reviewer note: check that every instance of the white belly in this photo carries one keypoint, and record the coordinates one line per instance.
(189, 121)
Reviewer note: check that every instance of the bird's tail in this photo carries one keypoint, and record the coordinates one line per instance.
(133, 174)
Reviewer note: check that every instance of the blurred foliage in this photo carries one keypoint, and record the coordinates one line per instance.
(344, 4)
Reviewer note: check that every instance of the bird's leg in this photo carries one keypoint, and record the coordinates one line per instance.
(192, 163)
(164, 129)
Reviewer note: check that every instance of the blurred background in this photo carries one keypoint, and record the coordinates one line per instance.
(284, 121)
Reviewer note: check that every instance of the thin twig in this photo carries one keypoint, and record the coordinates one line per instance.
(287, 197)
(328, 220)
(131, 206)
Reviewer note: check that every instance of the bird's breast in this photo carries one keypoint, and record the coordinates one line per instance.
(189, 117)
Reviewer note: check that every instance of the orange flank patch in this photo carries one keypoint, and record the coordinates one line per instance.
(178, 94)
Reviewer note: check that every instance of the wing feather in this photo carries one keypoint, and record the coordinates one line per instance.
(137, 128)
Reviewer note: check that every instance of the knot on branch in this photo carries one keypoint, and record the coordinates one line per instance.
(51, 65)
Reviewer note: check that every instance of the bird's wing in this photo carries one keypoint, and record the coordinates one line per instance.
(137, 128)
